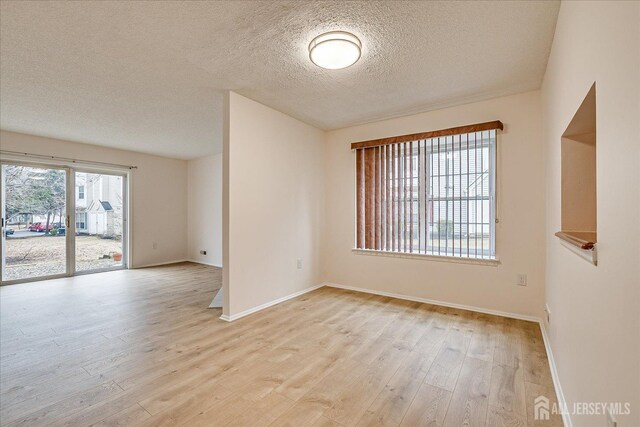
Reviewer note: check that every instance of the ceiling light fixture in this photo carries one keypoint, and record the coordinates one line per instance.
(335, 50)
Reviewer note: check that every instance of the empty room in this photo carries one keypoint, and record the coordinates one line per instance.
(320, 213)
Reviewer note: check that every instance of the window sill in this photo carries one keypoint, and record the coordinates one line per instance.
(440, 258)
(582, 244)
(582, 239)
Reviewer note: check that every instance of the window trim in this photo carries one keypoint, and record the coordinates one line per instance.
(495, 261)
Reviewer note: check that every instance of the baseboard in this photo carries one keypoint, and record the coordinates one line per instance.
(562, 403)
(177, 261)
(204, 263)
(566, 418)
(436, 302)
(268, 304)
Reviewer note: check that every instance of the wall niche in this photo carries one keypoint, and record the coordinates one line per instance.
(579, 195)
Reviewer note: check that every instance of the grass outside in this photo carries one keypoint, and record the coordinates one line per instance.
(39, 256)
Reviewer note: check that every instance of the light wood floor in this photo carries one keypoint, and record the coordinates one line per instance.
(140, 347)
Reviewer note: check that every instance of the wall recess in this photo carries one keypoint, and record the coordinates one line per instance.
(579, 183)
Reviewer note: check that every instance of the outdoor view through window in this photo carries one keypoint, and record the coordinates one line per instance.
(99, 222)
(36, 230)
(432, 196)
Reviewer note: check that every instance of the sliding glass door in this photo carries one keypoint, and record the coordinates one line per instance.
(99, 221)
(60, 221)
(34, 222)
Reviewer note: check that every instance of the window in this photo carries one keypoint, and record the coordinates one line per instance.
(81, 192)
(81, 220)
(431, 193)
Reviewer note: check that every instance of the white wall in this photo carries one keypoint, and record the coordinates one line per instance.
(273, 204)
(519, 242)
(158, 196)
(595, 311)
(205, 209)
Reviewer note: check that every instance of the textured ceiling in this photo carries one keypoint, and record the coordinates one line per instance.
(148, 76)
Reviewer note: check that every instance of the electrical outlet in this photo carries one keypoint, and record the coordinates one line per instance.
(299, 264)
(522, 280)
(547, 310)
(203, 252)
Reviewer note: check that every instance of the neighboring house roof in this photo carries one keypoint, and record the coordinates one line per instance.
(100, 204)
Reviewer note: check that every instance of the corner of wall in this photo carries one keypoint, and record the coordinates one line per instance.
(225, 202)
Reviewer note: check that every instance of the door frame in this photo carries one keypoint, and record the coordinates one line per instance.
(70, 208)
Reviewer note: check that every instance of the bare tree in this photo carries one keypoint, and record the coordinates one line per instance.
(34, 191)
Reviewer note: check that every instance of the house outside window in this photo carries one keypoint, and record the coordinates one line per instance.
(81, 192)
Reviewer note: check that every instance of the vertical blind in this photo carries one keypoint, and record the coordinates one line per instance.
(431, 193)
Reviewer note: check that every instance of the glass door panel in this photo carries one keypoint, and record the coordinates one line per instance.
(34, 209)
(99, 219)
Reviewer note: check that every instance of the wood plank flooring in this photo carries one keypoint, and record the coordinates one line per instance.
(140, 347)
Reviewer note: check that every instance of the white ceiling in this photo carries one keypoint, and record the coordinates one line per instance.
(148, 76)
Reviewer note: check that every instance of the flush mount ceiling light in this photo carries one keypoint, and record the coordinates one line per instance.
(335, 50)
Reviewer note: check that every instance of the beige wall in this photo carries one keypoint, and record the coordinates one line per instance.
(274, 173)
(158, 196)
(595, 311)
(520, 245)
(205, 209)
